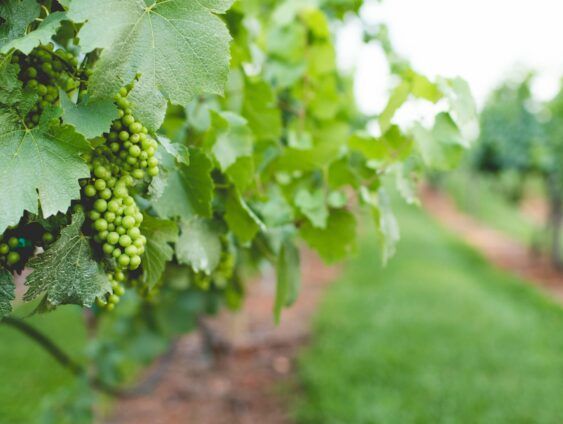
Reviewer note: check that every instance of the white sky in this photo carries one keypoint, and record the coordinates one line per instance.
(483, 41)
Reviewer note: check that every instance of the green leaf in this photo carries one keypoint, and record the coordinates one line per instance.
(288, 274)
(313, 206)
(199, 245)
(67, 272)
(91, 119)
(261, 111)
(179, 48)
(180, 152)
(463, 108)
(231, 138)
(398, 97)
(442, 147)
(42, 35)
(337, 240)
(242, 221)
(17, 14)
(423, 88)
(10, 86)
(7, 292)
(39, 166)
(159, 234)
(189, 189)
(392, 146)
(386, 224)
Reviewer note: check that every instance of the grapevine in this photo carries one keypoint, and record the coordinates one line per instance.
(157, 154)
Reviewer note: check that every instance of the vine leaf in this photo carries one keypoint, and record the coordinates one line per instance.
(7, 293)
(42, 35)
(337, 240)
(17, 14)
(313, 206)
(90, 119)
(39, 166)
(199, 245)
(66, 272)
(160, 234)
(231, 138)
(288, 273)
(188, 190)
(179, 48)
(242, 220)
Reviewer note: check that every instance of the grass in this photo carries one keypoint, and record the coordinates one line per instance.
(477, 196)
(27, 373)
(438, 336)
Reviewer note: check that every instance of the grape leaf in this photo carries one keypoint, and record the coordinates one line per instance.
(10, 85)
(242, 221)
(260, 109)
(188, 190)
(179, 48)
(180, 151)
(288, 278)
(40, 166)
(18, 14)
(231, 138)
(90, 119)
(337, 240)
(398, 97)
(159, 234)
(313, 206)
(7, 292)
(67, 271)
(385, 222)
(42, 35)
(199, 245)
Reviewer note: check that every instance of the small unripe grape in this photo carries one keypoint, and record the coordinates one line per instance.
(135, 128)
(90, 190)
(100, 205)
(131, 250)
(106, 194)
(47, 237)
(128, 222)
(108, 248)
(113, 237)
(123, 135)
(119, 276)
(100, 184)
(123, 260)
(125, 240)
(100, 172)
(120, 191)
(113, 205)
(135, 151)
(128, 120)
(135, 262)
(138, 174)
(101, 224)
(113, 299)
(13, 258)
(134, 233)
(13, 242)
(118, 290)
(4, 249)
(153, 172)
(93, 215)
(103, 234)
(116, 253)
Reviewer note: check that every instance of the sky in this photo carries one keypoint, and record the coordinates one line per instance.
(483, 41)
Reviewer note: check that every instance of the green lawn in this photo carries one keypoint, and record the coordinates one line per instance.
(478, 196)
(27, 374)
(438, 336)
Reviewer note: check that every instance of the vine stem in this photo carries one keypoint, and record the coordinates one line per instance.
(61, 356)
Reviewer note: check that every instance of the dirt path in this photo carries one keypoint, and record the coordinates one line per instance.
(500, 249)
(245, 383)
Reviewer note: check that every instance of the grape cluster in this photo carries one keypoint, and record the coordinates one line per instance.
(43, 72)
(18, 245)
(117, 167)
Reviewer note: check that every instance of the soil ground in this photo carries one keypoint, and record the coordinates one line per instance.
(248, 375)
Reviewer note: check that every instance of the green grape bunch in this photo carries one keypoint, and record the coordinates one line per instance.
(118, 167)
(43, 72)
